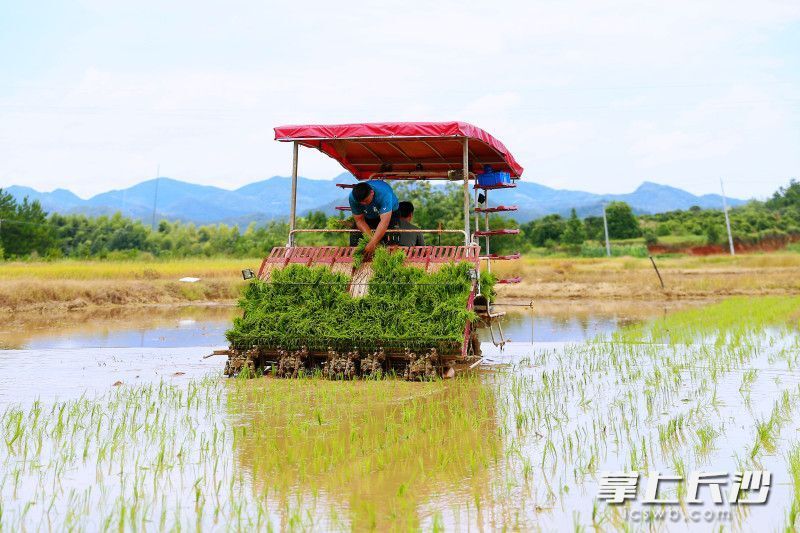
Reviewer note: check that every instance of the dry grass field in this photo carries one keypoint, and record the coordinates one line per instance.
(71, 285)
(634, 278)
(174, 269)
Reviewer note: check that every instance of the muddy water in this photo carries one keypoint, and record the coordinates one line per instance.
(69, 355)
(519, 447)
(65, 356)
(574, 321)
(204, 326)
(149, 327)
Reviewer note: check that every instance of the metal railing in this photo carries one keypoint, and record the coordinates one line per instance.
(434, 231)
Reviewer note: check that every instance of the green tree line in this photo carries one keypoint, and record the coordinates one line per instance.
(26, 230)
(776, 219)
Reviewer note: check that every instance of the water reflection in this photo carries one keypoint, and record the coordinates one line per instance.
(64, 355)
(367, 454)
(513, 447)
(204, 326)
(575, 321)
(151, 327)
(531, 327)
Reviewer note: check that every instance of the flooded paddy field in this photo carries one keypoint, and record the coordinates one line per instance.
(117, 421)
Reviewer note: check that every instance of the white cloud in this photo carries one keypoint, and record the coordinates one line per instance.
(587, 95)
(717, 128)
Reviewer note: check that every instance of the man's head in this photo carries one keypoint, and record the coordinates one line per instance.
(363, 193)
(406, 211)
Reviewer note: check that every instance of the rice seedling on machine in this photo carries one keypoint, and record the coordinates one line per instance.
(411, 310)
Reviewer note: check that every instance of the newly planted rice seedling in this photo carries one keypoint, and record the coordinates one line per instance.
(705, 438)
(227, 453)
(793, 458)
(519, 446)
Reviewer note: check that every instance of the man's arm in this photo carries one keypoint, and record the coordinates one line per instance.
(361, 224)
(380, 231)
(420, 239)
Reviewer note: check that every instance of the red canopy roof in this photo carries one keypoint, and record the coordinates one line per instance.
(367, 149)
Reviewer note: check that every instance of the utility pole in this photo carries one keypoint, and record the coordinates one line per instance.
(727, 218)
(605, 228)
(155, 197)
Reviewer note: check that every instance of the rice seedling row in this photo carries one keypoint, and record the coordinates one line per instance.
(520, 446)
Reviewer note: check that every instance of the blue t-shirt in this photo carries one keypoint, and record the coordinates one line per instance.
(384, 201)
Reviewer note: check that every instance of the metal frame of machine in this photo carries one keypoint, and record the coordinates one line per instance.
(453, 151)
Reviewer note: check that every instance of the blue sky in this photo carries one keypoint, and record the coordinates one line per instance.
(598, 96)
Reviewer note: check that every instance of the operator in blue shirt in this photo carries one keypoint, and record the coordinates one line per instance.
(374, 207)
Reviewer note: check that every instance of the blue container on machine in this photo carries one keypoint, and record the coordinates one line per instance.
(489, 177)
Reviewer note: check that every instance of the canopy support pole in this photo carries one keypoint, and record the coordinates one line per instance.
(466, 191)
(293, 205)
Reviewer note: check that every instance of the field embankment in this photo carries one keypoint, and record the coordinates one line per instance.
(71, 285)
(635, 278)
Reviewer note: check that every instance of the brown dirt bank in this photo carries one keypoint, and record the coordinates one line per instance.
(767, 244)
(635, 279)
(49, 287)
(43, 295)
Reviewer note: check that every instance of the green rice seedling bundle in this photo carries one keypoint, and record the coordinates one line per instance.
(302, 305)
(358, 253)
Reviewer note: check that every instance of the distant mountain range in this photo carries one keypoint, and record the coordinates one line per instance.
(269, 199)
(536, 200)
